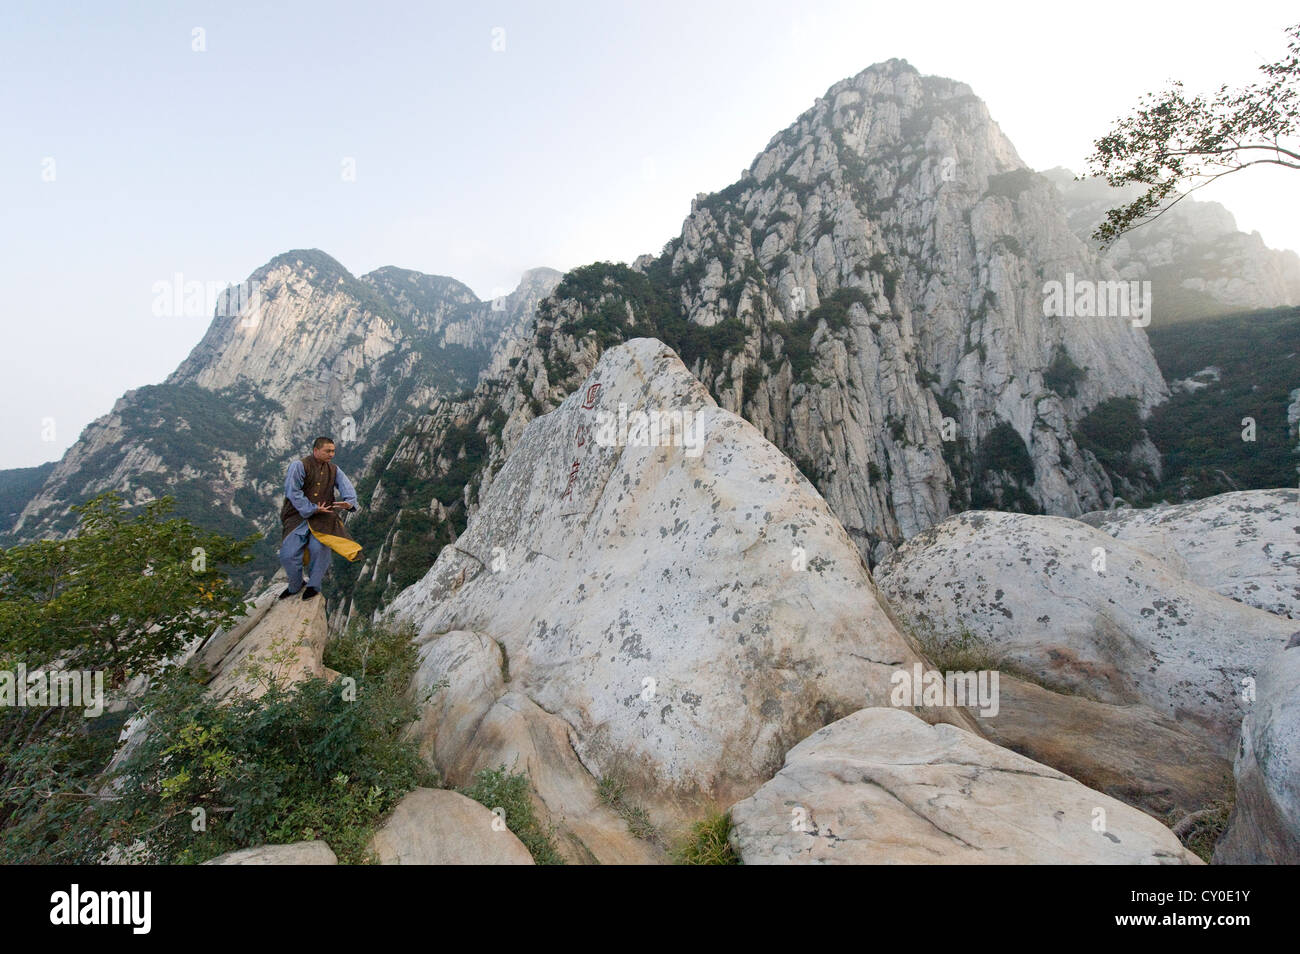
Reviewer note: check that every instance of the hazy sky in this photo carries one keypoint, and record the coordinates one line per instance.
(485, 139)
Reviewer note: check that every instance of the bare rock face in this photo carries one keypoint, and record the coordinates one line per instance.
(1245, 545)
(296, 853)
(684, 613)
(474, 721)
(1086, 613)
(473, 668)
(283, 640)
(1129, 752)
(883, 787)
(1265, 823)
(436, 827)
(899, 192)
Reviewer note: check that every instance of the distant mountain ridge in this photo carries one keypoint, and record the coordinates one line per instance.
(319, 352)
(17, 486)
(1198, 262)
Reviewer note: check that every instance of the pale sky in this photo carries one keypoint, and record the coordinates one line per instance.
(486, 139)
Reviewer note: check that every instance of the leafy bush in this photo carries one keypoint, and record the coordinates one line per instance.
(879, 264)
(1113, 425)
(307, 761)
(118, 598)
(1110, 430)
(1063, 375)
(1004, 451)
(121, 595)
(606, 291)
(725, 199)
(834, 309)
(750, 383)
(1002, 457)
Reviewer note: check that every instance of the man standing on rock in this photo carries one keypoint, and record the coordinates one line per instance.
(309, 520)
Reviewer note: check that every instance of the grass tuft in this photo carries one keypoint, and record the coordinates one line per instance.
(708, 842)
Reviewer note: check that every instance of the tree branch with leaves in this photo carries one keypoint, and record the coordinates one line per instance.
(1175, 144)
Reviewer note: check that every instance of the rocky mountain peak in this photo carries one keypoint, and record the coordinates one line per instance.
(869, 295)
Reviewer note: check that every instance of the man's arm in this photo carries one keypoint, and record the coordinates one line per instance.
(293, 490)
(347, 493)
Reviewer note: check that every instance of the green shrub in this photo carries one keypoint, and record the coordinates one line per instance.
(1063, 375)
(834, 309)
(119, 597)
(879, 264)
(1109, 431)
(796, 347)
(313, 760)
(1112, 427)
(1004, 451)
(751, 381)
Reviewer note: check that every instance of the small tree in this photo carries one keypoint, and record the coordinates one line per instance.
(120, 597)
(1174, 144)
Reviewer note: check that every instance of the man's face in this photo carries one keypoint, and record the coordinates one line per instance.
(324, 453)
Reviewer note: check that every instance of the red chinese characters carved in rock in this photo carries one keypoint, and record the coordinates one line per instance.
(573, 476)
(582, 436)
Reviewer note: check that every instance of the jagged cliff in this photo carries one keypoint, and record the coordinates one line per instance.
(878, 268)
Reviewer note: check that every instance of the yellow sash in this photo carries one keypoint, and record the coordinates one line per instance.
(348, 549)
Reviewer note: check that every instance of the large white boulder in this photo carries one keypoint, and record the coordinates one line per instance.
(1245, 545)
(1086, 613)
(883, 787)
(689, 612)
